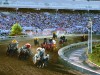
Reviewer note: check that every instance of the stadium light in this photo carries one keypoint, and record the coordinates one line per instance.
(89, 26)
(16, 9)
(56, 13)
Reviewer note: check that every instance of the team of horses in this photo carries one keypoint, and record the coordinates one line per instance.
(40, 59)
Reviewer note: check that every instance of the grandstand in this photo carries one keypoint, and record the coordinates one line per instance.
(50, 15)
(70, 22)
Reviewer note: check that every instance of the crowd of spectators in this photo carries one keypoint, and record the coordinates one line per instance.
(72, 22)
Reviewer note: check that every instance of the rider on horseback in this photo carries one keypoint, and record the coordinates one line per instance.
(45, 41)
(25, 51)
(54, 35)
(39, 57)
(13, 47)
(36, 41)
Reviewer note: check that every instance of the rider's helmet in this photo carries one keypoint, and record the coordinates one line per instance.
(28, 45)
(14, 41)
(35, 38)
(54, 33)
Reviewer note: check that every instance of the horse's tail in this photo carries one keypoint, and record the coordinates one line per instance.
(34, 59)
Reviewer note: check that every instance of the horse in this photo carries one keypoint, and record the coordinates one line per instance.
(40, 62)
(62, 40)
(12, 49)
(54, 36)
(24, 53)
(39, 58)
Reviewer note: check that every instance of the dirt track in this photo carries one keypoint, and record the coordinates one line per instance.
(14, 66)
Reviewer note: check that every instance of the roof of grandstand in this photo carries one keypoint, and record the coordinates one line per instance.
(52, 4)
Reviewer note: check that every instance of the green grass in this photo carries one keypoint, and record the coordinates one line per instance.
(95, 56)
(94, 60)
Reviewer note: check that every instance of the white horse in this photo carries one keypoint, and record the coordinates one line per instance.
(36, 58)
(40, 59)
(40, 62)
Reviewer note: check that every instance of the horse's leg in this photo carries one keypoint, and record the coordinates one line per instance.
(19, 55)
(37, 63)
(7, 52)
(10, 52)
(45, 62)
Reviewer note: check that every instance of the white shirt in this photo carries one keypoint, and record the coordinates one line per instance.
(54, 42)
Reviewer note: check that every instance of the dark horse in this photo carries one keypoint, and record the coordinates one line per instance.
(12, 49)
(63, 40)
(36, 42)
(24, 53)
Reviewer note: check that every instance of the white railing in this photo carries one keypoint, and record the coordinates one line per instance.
(35, 36)
(67, 62)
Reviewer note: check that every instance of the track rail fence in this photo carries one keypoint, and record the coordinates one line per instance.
(67, 62)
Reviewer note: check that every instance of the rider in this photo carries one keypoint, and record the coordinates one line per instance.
(54, 35)
(15, 43)
(26, 47)
(36, 41)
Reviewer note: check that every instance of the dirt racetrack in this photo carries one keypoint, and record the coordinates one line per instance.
(14, 66)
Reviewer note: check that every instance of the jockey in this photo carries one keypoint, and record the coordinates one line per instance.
(13, 45)
(36, 41)
(54, 35)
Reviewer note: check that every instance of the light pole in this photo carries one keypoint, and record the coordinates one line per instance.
(56, 13)
(89, 26)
